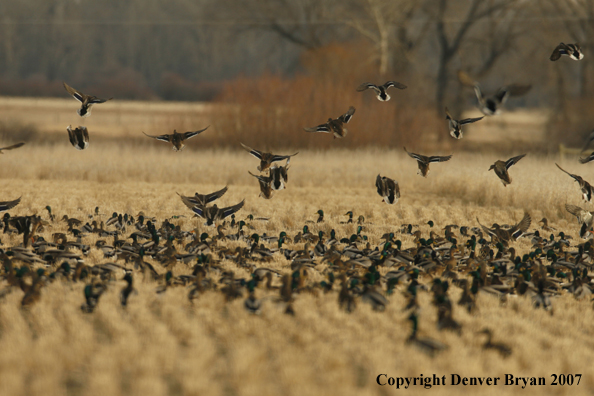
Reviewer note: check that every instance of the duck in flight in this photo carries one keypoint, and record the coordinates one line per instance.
(335, 126)
(424, 161)
(176, 138)
(381, 90)
(572, 50)
(455, 126)
(79, 137)
(86, 100)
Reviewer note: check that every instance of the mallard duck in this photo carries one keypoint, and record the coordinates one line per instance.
(320, 216)
(265, 185)
(335, 126)
(492, 105)
(584, 185)
(504, 349)
(381, 90)
(572, 50)
(126, 291)
(427, 345)
(455, 126)
(9, 204)
(388, 189)
(279, 176)
(202, 199)
(86, 100)
(585, 218)
(214, 213)
(79, 137)
(505, 235)
(423, 161)
(588, 158)
(21, 144)
(266, 159)
(501, 168)
(176, 138)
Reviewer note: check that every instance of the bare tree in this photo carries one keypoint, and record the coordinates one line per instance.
(452, 32)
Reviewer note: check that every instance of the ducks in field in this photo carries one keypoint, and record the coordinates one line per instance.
(381, 90)
(573, 51)
(335, 126)
(86, 101)
(176, 138)
(388, 189)
(455, 126)
(424, 161)
(500, 168)
(14, 146)
(79, 137)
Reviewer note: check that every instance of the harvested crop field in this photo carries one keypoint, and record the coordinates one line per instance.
(165, 343)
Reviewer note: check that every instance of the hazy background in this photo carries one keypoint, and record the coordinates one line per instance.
(271, 67)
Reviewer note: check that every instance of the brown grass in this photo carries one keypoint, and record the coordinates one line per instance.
(163, 344)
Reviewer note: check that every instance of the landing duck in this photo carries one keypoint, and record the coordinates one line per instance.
(501, 168)
(388, 189)
(335, 126)
(455, 126)
(86, 100)
(177, 138)
(424, 161)
(79, 137)
(266, 159)
(381, 90)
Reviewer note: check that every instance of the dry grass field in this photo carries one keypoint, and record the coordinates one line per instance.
(165, 344)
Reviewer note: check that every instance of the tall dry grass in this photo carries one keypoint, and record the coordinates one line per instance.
(163, 344)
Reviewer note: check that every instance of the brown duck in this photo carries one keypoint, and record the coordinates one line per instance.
(501, 167)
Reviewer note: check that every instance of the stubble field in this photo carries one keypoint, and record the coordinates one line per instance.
(162, 343)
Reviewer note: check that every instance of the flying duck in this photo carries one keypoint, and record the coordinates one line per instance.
(455, 126)
(501, 168)
(335, 126)
(572, 50)
(202, 199)
(176, 138)
(380, 90)
(265, 185)
(79, 137)
(424, 161)
(214, 213)
(584, 185)
(492, 105)
(86, 100)
(9, 204)
(266, 159)
(388, 189)
(11, 147)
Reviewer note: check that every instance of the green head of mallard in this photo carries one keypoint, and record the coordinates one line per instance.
(281, 240)
(350, 214)
(333, 234)
(359, 229)
(430, 223)
(250, 217)
(40, 272)
(20, 272)
(168, 276)
(305, 229)
(49, 209)
(128, 278)
(203, 236)
(398, 244)
(255, 237)
(387, 246)
(320, 212)
(241, 224)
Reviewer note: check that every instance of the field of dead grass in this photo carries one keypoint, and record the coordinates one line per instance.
(163, 344)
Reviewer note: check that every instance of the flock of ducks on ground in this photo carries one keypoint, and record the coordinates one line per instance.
(477, 260)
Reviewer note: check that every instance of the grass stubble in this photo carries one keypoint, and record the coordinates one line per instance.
(163, 344)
